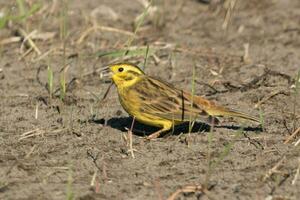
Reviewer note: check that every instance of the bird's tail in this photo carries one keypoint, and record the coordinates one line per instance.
(227, 112)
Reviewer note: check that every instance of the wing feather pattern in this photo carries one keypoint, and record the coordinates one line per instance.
(167, 102)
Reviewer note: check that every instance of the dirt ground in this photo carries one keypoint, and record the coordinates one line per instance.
(78, 148)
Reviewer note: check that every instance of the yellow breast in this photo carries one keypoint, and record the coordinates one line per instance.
(130, 101)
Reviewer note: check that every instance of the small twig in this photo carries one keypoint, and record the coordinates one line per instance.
(292, 136)
(106, 93)
(286, 127)
(43, 55)
(36, 111)
(43, 36)
(28, 133)
(296, 144)
(253, 84)
(36, 36)
(55, 51)
(94, 182)
(146, 57)
(10, 40)
(104, 171)
(254, 142)
(102, 28)
(94, 178)
(190, 189)
(229, 13)
(94, 158)
(32, 134)
(297, 173)
(37, 132)
(274, 93)
(25, 53)
(215, 91)
(30, 152)
(246, 57)
(27, 39)
(274, 169)
(275, 73)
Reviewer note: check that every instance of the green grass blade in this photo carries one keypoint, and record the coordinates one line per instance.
(70, 192)
(62, 85)
(50, 81)
(146, 58)
(3, 21)
(193, 93)
(21, 7)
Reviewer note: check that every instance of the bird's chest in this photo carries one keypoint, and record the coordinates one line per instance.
(129, 101)
(132, 103)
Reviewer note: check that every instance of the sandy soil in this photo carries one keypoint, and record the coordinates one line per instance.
(77, 149)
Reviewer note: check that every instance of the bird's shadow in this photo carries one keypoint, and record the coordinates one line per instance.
(124, 124)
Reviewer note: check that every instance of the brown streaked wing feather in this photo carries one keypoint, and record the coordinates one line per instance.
(165, 101)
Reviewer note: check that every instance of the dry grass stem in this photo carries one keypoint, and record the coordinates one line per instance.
(10, 40)
(94, 178)
(297, 173)
(106, 93)
(229, 13)
(292, 136)
(274, 170)
(37, 132)
(36, 36)
(30, 152)
(44, 55)
(27, 40)
(102, 28)
(246, 57)
(191, 189)
(36, 111)
(43, 36)
(274, 93)
(30, 134)
(296, 144)
(26, 53)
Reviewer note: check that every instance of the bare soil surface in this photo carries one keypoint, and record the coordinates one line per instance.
(78, 148)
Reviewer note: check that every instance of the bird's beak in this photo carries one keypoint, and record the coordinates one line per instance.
(105, 72)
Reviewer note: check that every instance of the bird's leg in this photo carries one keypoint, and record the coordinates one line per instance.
(157, 133)
(154, 135)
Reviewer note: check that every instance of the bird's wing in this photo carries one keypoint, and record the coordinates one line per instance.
(165, 101)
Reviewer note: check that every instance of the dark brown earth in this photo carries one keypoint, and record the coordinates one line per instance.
(77, 148)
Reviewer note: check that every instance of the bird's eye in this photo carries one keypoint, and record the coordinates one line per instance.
(121, 69)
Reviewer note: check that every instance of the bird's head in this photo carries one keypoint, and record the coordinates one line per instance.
(123, 74)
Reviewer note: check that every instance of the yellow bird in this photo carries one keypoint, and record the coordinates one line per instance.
(160, 104)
